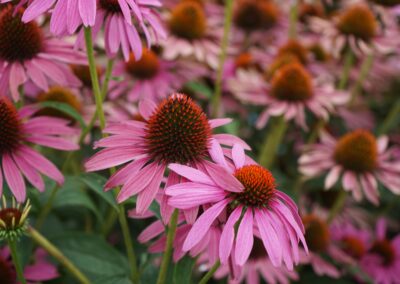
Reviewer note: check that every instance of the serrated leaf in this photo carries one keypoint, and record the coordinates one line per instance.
(67, 109)
(183, 270)
(95, 182)
(92, 255)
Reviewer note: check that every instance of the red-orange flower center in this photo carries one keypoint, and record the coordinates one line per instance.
(59, 95)
(111, 6)
(310, 10)
(10, 127)
(353, 246)
(259, 186)
(385, 249)
(244, 61)
(295, 48)
(7, 273)
(178, 131)
(357, 151)
(144, 68)
(252, 15)
(18, 41)
(83, 74)
(358, 21)
(292, 82)
(188, 20)
(317, 233)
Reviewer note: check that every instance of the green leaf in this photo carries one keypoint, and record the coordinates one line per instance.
(71, 194)
(93, 255)
(67, 109)
(183, 270)
(95, 182)
(201, 88)
(113, 280)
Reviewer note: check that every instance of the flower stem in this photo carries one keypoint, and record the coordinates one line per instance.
(294, 13)
(210, 273)
(348, 64)
(390, 119)
(58, 255)
(17, 264)
(272, 140)
(365, 68)
(94, 77)
(224, 46)
(337, 206)
(168, 248)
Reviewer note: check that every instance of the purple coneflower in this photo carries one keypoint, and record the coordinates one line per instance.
(359, 159)
(27, 55)
(18, 128)
(174, 131)
(242, 190)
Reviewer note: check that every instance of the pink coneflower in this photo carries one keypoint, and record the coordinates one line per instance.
(18, 128)
(26, 55)
(192, 33)
(257, 267)
(67, 15)
(318, 239)
(40, 270)
(362, 159)
(382, 262)
(290, 91)
(120, 33)
(234, 190)
(357, 28)
(175, 131)
(151, 77)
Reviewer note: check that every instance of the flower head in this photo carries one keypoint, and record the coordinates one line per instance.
(247, 194)
(251, 15)
(13, 220)
(359, 159)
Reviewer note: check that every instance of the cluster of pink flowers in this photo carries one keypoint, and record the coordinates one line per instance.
(260, 137)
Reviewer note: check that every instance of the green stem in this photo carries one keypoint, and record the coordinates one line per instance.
(390, 119)
(337, 206)
(348, 64)
(272, 140)
(162, 276)
(94, 77)
(58, 255)
(294, 13)
(365, 68)
(210, 273)
(17, 264)
(224, 46)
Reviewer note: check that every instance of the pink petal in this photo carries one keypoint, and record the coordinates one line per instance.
(87, 10)
(146, 108)
(228, 235)
(146, 197)
(244, 238)
(14, 178)
(238, 156)
(223, 178)
(191, 174)
(30, 173)
(111, 157)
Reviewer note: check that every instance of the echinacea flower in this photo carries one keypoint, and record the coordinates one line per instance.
(18, 128)
(257, 267)
(290, 92)
(382, 261)
(66, 15)
(151, 77)
(357, 28)
(13, 219)
(40, 270)
(174, 131)
(120, 33)
(192, 33)
(319, 242)
(358, 159)
(27, 55)
(239, 190)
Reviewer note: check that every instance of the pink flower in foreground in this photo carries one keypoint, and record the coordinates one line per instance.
(358, 159)
(66, 15)
(26, 55)
(290, 92)
(18, 128)
(244, 191)
(41, 270)
(382, 262)
(119, 19)
(175, 131)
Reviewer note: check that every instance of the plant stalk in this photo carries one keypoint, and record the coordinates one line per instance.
(17, 264)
